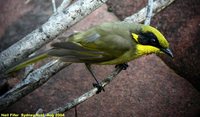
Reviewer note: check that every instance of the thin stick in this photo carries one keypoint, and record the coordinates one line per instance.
(54, 6)
(30, 67)
(149, 12)
(140, 16)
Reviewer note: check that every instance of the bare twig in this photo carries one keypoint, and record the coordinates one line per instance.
(39, 113)
(63, 5)
(30, 67)
(27, 1)
(149, 12)
(87, 95)
(31, 82)
(54, 6)
(56, 24)
(140, 16)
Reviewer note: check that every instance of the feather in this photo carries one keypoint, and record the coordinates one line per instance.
(66, 52)
(93, 37)
(21, 64)
(79, 56)
(72, 46)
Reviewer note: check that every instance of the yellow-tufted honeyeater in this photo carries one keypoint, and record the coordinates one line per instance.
(105, 44)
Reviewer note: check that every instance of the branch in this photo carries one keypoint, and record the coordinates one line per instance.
(31, 82)
(149, 12)
(54, 6)
(87, 95)
(30, 67)
(56, 24)
(140, 16)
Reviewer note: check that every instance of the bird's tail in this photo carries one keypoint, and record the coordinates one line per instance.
(26, 62)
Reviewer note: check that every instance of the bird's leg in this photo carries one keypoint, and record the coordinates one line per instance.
(97, 84)
(123, 66)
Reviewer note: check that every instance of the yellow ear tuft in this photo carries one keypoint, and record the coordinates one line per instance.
(135, 36)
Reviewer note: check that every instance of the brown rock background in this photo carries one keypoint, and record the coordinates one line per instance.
(147, 88)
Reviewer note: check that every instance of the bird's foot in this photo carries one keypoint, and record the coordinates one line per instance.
(99, 87)
(124, 66)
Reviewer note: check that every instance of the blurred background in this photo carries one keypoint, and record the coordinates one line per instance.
(152, 86)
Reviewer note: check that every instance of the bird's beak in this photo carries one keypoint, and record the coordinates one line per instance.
(168, 52)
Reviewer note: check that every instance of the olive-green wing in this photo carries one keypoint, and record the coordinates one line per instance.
(114, 43)
(72, 52)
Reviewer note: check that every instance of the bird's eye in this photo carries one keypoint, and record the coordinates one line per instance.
(153, 40)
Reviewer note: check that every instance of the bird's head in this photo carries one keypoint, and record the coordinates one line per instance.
(150, 40)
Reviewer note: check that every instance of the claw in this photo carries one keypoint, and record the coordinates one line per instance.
(99, 87)
(124, 66)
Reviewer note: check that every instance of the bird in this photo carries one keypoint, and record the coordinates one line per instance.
(110, 43)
